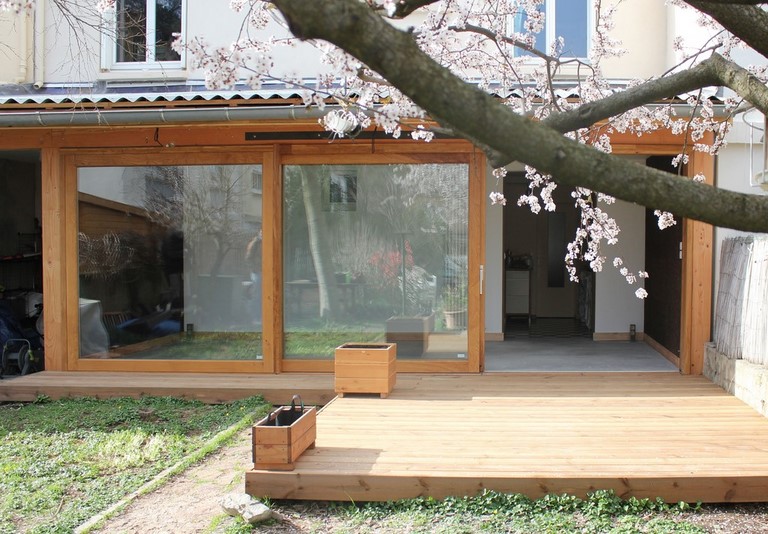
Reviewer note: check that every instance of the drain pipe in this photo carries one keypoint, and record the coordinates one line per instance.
(22, 23)
(38, 45)
(124, 117)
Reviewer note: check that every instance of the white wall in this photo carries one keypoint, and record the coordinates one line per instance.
(494, 263)
(15, 31)
(641, 26)
(616, 306)
(683, 22)
(67, 58)
(734, 174)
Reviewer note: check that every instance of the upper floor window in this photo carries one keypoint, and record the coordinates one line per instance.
(142, 33)
(569, 19)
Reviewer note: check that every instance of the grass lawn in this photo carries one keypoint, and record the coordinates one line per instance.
(304, 344)
(490, 512)
(64, 461)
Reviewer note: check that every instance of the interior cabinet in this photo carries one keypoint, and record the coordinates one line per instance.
(517, 294)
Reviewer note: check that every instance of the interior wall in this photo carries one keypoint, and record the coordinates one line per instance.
(526, 234)
(616, 306)
(494, 268)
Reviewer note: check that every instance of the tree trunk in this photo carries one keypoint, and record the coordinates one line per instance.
(316, 229)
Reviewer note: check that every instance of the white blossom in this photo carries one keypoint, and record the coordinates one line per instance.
(498, 198)
(666, 219)
(493, 62)
(499, 173)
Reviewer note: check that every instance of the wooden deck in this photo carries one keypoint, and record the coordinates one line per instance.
(207, 387)
(644, 435)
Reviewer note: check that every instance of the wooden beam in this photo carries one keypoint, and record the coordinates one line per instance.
(206, 387)
(70, 256)
(476, 245)
(696, 313)
(54, 259)
(272, 281)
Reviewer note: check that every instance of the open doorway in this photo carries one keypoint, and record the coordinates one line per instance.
(21, 287)
(663, 254)
(540, 299)
(597, 324)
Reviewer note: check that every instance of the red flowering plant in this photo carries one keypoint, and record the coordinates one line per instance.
(388, 266)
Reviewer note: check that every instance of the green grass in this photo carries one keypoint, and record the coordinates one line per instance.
(208, 346)
(323, 343)
(306, 344)
(492, 512)
(62, 462)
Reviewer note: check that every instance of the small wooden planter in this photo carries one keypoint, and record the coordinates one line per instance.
(365, 368)
(278, 447)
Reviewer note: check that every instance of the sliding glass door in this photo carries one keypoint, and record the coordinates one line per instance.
(169, 262)
(376, 252)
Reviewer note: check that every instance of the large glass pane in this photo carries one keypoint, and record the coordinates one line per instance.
(170, 262)
(571, 24)
(131, 29)
(375, 253)
(167, 23)
(145, 30)
(521, 25)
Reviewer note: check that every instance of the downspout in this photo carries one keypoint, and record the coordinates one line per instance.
(23, 48)
(38, 45)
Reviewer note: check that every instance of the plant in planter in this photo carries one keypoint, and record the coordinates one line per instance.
(455, 306)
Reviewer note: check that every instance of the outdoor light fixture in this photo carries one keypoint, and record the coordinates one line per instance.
(342, 123)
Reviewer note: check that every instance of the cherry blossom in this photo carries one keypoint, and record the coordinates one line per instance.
(489, 43)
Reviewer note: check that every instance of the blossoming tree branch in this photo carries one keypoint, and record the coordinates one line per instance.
(424, 66)
(443, 69)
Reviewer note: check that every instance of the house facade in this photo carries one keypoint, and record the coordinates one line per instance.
(167, 227)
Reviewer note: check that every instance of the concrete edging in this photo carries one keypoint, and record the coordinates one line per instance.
(746, 381)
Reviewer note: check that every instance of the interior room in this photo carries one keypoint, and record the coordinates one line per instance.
(21, 293)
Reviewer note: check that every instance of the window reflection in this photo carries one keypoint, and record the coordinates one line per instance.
(170, 262)
(145, 30)
(375, 253)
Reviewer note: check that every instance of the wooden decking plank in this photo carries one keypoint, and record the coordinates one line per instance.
(390, 487)
(679, 438)
(210, 387)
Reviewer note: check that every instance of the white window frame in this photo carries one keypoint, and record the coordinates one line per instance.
(257, 181)
(109, 43)
(550, 31)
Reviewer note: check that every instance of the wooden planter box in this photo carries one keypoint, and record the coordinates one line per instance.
(411, 334)
(278, 447)
(365, 368)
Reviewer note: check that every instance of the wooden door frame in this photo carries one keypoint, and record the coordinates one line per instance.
(697, 281)
(60, 227)
(453, 151)
(58, 144)
(72, 160)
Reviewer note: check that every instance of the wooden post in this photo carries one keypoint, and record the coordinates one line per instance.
(54, 260)
(696, 319)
